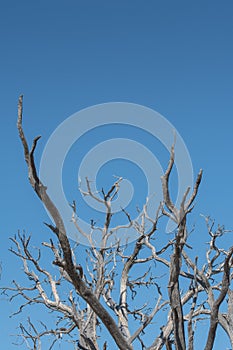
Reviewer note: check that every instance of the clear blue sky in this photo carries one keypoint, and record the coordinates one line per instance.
(173, 56)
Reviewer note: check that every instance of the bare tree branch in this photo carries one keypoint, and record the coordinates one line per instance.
(59, 229)
(119, 286)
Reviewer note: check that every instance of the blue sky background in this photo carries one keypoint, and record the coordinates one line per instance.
(173, 56)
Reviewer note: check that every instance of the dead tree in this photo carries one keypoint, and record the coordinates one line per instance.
(122, 287)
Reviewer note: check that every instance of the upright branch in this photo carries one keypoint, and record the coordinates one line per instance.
(216, 305)
(179, 216)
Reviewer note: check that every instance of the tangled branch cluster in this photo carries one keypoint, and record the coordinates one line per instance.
(109, 287)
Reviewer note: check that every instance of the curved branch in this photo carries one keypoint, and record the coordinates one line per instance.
(60, 231)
